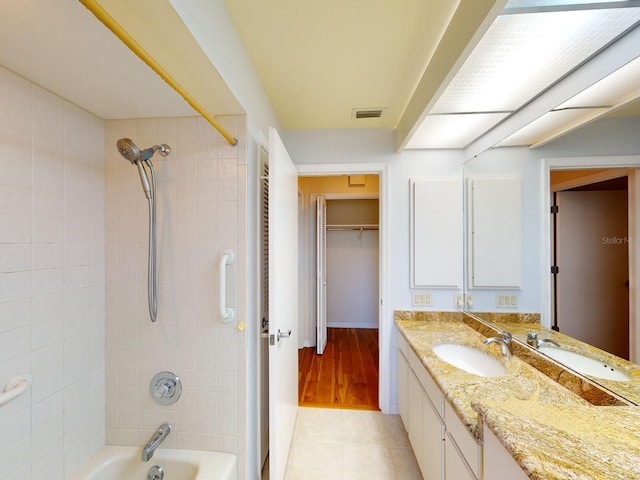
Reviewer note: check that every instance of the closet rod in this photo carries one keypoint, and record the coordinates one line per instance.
(351, 227)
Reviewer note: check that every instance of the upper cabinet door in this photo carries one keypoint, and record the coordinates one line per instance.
(436, 233)
(495, 232)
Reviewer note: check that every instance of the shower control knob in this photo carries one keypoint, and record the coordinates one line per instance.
(165, 388)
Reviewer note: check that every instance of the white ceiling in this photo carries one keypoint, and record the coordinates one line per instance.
(61, 46)
(317, 62)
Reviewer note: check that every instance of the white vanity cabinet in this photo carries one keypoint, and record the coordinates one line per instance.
(403, 384)
(422, 420)
(444, 448)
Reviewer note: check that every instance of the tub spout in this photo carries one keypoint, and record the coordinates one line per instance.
(155, 441)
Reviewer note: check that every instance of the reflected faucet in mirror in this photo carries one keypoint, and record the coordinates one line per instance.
(535, 342)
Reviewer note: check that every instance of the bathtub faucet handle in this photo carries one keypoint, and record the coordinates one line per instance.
(165, 388)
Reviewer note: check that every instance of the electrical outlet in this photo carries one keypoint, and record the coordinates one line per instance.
(422, 300)
(468, 300)
(458, 300)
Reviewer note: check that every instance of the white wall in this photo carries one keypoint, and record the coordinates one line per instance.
(606, 139)
(375, 147)
(52, 294)
(515, 162)
(352, 279)
(201, 212)
(211, 26)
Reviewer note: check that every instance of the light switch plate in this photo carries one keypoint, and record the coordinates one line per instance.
(422, 299)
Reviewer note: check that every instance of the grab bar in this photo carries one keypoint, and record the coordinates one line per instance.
(15, 387)
(227, 314)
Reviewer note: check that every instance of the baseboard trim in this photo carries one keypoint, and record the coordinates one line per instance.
(352, 325)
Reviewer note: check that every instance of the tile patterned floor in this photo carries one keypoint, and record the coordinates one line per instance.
(342, 444)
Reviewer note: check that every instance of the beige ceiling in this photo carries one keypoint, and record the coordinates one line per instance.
(318, 60)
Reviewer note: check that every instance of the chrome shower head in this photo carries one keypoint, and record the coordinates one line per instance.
(128, 149)
(131, 152)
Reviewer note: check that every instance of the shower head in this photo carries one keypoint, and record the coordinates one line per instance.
(131, 152)
(128, 149)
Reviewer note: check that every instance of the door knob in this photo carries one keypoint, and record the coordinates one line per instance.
(278, 336)
(281, 334)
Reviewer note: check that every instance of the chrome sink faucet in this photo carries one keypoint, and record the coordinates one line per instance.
(535, 342)
(504, 341)
(154, 442)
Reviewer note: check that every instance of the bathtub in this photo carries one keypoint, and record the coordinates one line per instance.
(118, 463)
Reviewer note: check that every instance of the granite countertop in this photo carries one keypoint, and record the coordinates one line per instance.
(551, 432)
(629, 390)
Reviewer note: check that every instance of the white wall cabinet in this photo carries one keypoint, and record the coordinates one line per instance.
(436, 233)
(444, 447)
(495, 232)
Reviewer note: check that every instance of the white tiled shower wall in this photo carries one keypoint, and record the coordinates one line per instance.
(53, 326)
(201, 211)
(52, 293)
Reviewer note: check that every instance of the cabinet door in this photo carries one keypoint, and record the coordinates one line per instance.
(403, 388)
(495, 233)
(415, 415)
(498, 463)
(455, 467)
(432, 442)
(436, 232)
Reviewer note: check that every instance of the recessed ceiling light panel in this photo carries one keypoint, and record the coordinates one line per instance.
(453, 131)
(522, 54)
(621, 86)
(549, 124)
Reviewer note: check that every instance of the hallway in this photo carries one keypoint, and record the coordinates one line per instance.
(345, 376)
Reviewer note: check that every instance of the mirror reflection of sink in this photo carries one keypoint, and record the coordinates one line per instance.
(584, 364)
(469, 359)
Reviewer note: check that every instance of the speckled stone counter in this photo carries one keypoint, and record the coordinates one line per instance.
(551, 432)
(628, 390)
(561, 442)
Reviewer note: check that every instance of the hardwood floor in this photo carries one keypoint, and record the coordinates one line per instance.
(346, 375)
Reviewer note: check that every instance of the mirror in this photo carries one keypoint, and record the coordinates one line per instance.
(605, 144)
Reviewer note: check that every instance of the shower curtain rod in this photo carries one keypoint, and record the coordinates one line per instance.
(126, 38)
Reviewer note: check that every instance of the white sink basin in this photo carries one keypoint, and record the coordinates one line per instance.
(585, 365)
(470, 360)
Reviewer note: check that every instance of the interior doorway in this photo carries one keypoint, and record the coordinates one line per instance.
(590, 257)
(339, 355)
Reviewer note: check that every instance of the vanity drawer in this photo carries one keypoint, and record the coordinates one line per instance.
(467, 445)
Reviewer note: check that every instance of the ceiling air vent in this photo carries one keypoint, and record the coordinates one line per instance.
(358, 113)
